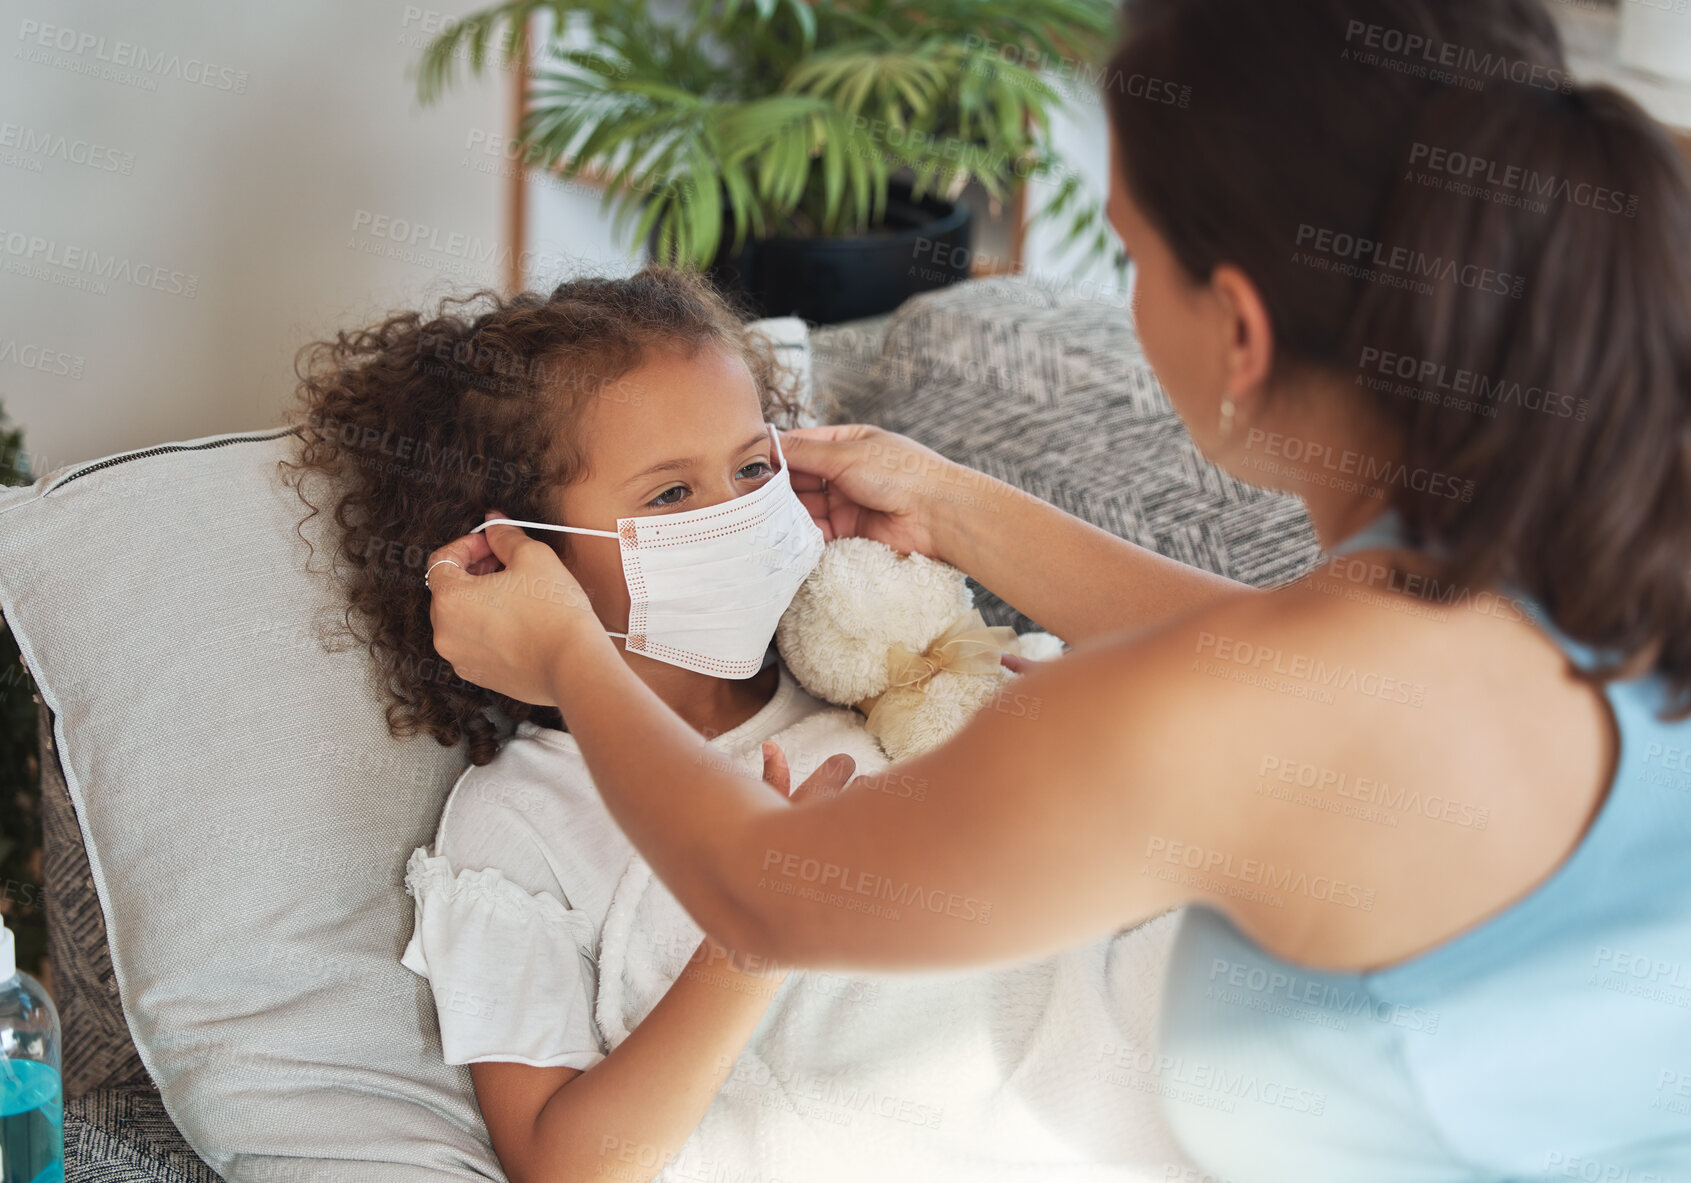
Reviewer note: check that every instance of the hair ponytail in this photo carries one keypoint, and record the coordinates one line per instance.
(1565, 393)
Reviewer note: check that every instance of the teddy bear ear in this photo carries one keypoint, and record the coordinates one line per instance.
(862, 598)
(1039, 646)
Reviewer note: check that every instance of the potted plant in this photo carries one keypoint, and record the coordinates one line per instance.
(809, 153)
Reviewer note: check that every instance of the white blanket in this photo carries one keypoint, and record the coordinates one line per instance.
(980, 1076)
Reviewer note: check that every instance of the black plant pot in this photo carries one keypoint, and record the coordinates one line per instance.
(921, 245)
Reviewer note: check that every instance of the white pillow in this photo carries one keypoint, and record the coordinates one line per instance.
(246, 814)
(790, 337)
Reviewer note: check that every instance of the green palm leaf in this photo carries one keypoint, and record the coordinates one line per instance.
(753, 117)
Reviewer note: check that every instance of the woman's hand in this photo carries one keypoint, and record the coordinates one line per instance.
(506, 612)
(867, 482)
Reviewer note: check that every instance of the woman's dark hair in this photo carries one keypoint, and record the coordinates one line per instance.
(1497, 258)
(422, 422)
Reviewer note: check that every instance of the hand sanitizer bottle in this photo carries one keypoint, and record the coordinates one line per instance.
(32, 1102)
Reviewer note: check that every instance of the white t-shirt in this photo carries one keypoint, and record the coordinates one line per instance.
(511, 904)
(545, 940)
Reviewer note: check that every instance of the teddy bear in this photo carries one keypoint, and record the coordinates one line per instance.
(898, 637)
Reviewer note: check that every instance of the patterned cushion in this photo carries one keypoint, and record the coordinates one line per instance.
(98, 1052)
(1052, 393)
(123, 1135)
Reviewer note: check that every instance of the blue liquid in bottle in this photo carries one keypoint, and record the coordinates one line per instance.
(32, 1123)
(32, 1100)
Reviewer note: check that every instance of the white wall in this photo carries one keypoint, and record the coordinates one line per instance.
(189, 191)
(1080, 133)
(567, 232)
(569, 235)
(237, 216)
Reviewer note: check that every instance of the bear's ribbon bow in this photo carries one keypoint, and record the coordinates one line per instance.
(968, 646)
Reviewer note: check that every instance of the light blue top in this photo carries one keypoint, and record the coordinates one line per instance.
(1552, 1041)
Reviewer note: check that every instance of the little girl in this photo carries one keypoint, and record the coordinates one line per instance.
(605, 1036)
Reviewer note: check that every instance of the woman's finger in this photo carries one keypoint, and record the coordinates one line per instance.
(491, 562)
(1013, 663)
(824, 456)
(504, 539)
(815, 503)
(465, 550)
(834, 515)
(504, 614)
(826, 431)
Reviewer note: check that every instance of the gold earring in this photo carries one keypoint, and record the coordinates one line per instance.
(1227, 408)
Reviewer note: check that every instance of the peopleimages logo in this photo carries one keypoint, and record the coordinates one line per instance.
(129, 56)
(39, 357)
(33, 254)
(53, 146)
(1357, 250)
(1468, 172)
(1483, 389)
(1370, 791)
(1342, 999)
(1315, 671)
(1445, 61)
(1368, 470)
(1219, 865)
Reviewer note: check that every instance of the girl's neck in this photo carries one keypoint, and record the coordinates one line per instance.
(709, 705)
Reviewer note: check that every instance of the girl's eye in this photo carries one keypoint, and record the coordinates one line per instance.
(675, 494)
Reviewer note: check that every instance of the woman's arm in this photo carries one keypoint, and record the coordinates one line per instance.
(1022, 835)
(629, 1115)
(1138, 773)
(1021, 839)
(1076, 580)
(1061, 812)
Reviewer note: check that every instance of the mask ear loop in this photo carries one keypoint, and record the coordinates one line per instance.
(550, 526)
(541, 526)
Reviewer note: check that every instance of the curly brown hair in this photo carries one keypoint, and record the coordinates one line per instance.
(421, 423)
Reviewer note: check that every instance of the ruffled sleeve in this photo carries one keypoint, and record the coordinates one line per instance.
(512, 972)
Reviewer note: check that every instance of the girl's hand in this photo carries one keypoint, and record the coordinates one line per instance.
(867, 482)
(506, 612)
(828, 779)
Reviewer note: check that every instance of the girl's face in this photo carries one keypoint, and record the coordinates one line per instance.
(673, 434)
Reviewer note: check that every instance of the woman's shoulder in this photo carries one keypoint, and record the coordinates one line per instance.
(1360, 630)
(1350, 731)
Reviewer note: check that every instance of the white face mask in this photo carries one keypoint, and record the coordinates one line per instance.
(707, 587)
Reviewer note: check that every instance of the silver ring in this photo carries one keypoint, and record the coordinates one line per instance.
(435, 564)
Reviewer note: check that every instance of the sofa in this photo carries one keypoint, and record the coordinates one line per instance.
(1044, 389)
